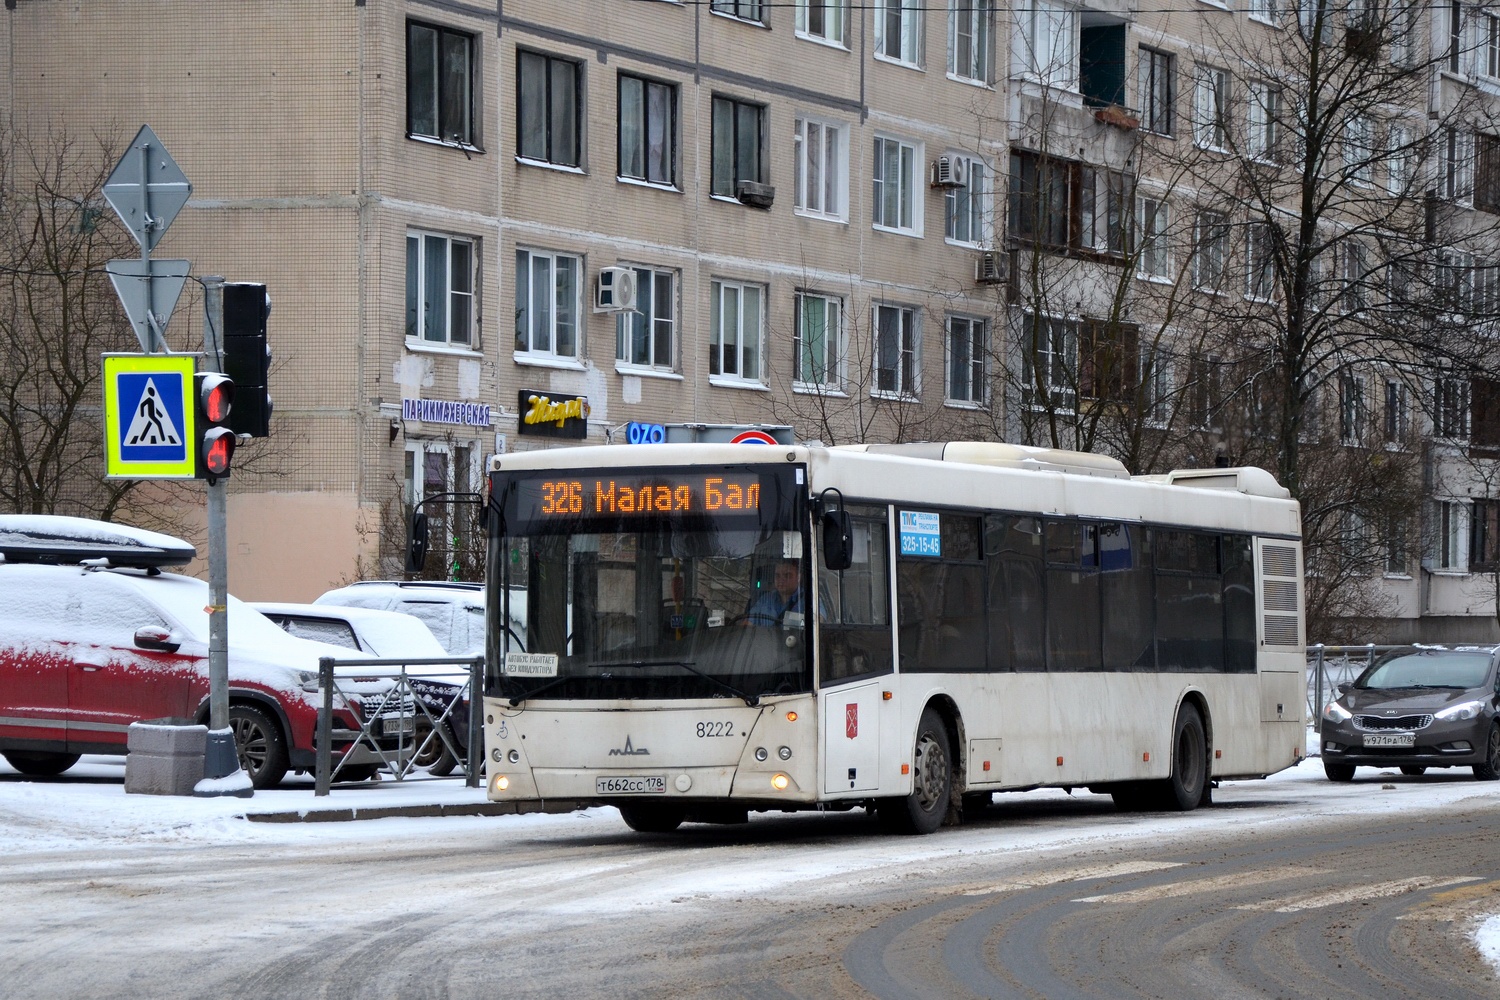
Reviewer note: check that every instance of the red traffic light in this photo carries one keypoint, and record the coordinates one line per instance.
(216, 396)
(216, 440)
(218, 450)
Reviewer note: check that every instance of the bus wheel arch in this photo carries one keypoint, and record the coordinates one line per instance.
(936, 798)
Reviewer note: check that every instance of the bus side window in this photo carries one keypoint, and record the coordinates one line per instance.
(1073, 596)
(1013, 549)
(1126, 597)
(1239, 604)
(940, 597)
(1189, 602)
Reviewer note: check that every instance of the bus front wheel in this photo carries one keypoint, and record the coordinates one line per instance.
(925, 809)
(652, 817)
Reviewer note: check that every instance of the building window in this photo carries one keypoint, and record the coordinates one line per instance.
(1210, 108)
(1397, 160)
(896, 351)
(1267, 11)
(645, 337)
(548, 122)
(744, 10)
(1156, 384)
(1260, 261)
(1263, 122)
(1358, 149)
(1484, 536)
(898, 30)
(1210, 251)
(822, 20)
(818, 341)
(1352, 259)
(1395, 547)
(970, 30)
(822, 169)
(1204, 393)
(547, 287)
(1064, 204)
(739, 145)
(1456, 171)
(435, 467)
(1156, 71)
(1395, 424)
(1487, 172)
(1045, 44)
(1351, 410)
(1049, 363)
(1403, 28)
(896, 205)
(967, 209)
(1107, 360)
(735, 314)
(1450, 408)
(968, 350)
(648, 130)
(439, 83)
(1448, 524)
(439, 289)
(1153, 252)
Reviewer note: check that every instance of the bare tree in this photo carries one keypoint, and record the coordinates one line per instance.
(58, 315)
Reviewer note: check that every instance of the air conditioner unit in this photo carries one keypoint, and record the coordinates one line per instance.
(948, 172)
(615, 291)
(754, 194)
(991, 267)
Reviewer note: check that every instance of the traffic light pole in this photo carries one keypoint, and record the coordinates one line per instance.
(220, 761)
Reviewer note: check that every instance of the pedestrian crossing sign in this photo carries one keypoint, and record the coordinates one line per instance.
(148, 416)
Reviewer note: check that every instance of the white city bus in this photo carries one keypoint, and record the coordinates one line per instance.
(716, 629)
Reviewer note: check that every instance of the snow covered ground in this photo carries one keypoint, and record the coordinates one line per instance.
(87, 810)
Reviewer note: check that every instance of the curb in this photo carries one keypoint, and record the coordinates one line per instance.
(417, 812)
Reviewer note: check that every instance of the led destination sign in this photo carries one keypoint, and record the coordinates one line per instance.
(604, 496)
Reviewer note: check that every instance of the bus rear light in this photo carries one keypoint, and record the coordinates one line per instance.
(779, 781)
(791, 716)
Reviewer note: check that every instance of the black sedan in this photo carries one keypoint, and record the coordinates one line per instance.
(1415, 708)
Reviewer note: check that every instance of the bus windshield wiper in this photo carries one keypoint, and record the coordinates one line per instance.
(554, 682)
(750, 699)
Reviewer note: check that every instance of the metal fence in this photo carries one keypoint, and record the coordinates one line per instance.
(1330, 666)
(408, 707)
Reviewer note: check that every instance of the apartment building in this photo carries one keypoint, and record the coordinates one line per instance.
(868, 221)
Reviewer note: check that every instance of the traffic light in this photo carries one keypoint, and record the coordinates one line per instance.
(213, 395)
(247, 356)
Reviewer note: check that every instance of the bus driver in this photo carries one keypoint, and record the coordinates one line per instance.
(770, 608)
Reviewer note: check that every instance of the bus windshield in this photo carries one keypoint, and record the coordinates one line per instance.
(666, 584)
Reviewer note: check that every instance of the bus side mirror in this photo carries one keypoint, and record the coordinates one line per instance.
(838, 540)
(416, 543)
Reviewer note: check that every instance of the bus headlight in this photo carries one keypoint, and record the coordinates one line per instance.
(785, 753)
(760, 754)
(502, 783)
(514, 757)
(779, 781)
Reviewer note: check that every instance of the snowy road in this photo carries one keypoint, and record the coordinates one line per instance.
(1267, 893)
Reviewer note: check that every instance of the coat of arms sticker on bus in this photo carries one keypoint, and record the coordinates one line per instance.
(851, 721)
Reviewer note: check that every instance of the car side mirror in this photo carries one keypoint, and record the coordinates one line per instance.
(838, 540)
(1344, 688)
(416, 543)
(156, 639)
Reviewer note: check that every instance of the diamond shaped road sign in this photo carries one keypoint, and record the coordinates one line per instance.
(149, 290)
(147, 188)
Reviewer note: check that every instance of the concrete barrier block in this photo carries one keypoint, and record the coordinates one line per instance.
(165, 757)
(164, 737)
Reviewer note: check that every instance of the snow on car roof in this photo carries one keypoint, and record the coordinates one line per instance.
(56, 538)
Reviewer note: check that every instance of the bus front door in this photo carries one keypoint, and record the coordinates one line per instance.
(851, 738)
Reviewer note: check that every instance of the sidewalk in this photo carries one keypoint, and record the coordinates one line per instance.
(96, 785)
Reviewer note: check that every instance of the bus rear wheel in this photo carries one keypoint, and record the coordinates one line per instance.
(925, 809)
(652, 817)
(1187, 787)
